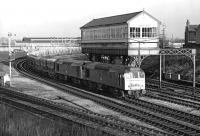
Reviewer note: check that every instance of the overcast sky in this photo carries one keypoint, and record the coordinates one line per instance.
(65, 17)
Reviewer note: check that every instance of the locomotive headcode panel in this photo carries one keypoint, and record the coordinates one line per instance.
(134, 80)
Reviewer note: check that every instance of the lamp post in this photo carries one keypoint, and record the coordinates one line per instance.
(10, 53)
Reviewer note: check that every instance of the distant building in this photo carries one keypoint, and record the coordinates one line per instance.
(192, 35)
(198, 35)
(49, 41)
(47, 45)
(37, 42)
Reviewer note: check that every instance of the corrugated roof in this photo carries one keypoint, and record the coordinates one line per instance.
(119, 19)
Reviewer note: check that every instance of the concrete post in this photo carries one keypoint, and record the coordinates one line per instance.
(194, 78)
(160, 71)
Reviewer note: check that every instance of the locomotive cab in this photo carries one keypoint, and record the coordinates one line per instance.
(134, 82)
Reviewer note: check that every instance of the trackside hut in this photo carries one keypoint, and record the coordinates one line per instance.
(4, 79)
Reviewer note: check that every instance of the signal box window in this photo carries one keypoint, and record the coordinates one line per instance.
(134, 32)
(149, 32)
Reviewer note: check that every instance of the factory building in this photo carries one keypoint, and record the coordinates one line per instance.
(192, 35)
(48, 45)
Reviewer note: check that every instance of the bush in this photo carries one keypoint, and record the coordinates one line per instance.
(14, 122)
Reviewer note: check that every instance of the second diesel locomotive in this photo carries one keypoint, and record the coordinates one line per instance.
(118, 79)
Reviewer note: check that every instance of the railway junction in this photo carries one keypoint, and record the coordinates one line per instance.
(144, 110)
(118, 40)
(128, 39)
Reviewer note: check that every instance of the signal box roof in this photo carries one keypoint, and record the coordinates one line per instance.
(115, 20)
(119, 19)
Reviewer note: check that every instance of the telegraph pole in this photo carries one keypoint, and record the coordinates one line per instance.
(163, 47)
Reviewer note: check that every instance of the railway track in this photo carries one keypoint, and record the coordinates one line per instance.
(172, 96)
(51, 110)
(180, 115)
(166, 123)
(173, 99)
(126, 126)
(188, 90)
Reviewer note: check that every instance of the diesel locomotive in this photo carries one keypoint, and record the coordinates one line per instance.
(124, 81)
